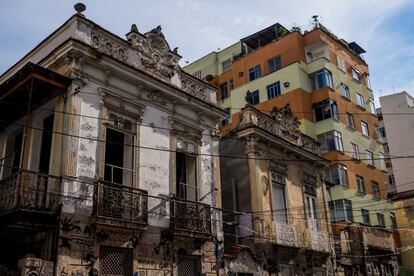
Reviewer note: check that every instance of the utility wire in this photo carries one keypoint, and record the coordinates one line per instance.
(199, 154)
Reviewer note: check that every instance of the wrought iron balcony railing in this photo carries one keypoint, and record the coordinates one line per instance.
(190, 218)
(285, 234)
(120, 205)
(26, 190)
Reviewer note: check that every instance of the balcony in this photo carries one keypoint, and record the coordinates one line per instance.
(378, 238)
(285, 234)
(26, 191)
(317, 240)
(120, 206)
(191, 219)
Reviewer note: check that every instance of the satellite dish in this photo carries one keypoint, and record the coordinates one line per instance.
(209, 77)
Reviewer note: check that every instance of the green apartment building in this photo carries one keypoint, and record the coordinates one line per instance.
(325, 80)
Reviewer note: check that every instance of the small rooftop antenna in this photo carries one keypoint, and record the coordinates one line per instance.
(315, 21)
(79, 8)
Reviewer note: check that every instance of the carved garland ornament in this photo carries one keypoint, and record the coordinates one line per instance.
(154, 52)
(193, 88)
(107, 46)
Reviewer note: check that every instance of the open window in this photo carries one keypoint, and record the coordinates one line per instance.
(119, 151)
(46, 144)
(186, 176)
(13, 155)
(279, 197)
(311, 207)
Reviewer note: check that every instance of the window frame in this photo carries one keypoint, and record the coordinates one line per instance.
(341, 174)
(372, 106)
(365, 216)
(360, 100)
(356, 75)
(364, 128)
(275, 65)
(360, 183)
(186, 186)
(328, 80)
(197, 74)
(273, 90)
(226, 65)
(375, 192)
(355, 151)
(255, 73)
(119, 123)
(336, 141)
(255, 94)
(341, 63)
(224, 90)
(346, 210)
(345, 92)
(382, 161)
(278, 183)
(350, 121)
(370, 157)
(381, 220)
(321, 109)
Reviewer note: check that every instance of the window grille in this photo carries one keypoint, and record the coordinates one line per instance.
(115, 261)
(188, 265)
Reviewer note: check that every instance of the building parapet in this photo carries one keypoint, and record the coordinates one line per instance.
(281, 123)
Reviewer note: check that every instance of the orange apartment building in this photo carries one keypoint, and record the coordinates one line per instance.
(325, 80)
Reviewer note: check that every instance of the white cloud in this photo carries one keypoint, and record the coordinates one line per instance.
(198, 27)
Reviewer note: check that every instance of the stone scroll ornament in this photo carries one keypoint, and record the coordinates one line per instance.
(154, 52)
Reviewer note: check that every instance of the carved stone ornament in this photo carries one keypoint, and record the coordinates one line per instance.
(281, 123)
(157, 97)
(193, 87)
(289, 124)
(155, 53)
(108, 46)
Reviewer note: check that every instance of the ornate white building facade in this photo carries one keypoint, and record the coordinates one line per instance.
(111, 167)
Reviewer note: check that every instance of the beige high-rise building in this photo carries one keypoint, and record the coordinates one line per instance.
(397, 112)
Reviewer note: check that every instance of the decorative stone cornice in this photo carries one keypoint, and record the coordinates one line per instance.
(104, 44)
(281, 123)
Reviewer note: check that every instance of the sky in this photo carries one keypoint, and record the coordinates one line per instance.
(382, 27)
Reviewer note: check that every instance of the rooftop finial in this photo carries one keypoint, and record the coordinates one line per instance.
(79, 8)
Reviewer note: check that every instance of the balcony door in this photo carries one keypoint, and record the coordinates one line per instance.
(119, 167)
(186, 176)
(46, 145)
(311, 207)
(13, 155)
(279, 208)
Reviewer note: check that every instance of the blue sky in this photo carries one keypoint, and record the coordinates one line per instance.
(382, 27)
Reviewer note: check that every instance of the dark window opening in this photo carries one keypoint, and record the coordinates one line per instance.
(118, 157)
(46, 144)
(325, 110)
(224, 90)
(186, 176)
(17, 152)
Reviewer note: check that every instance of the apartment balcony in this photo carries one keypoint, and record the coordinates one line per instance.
(318, 240)
(190, 219)
(377, 238)
(120, 206)
(285, 234)
(29, 195)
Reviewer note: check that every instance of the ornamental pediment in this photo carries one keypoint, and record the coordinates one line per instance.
(154, 52)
